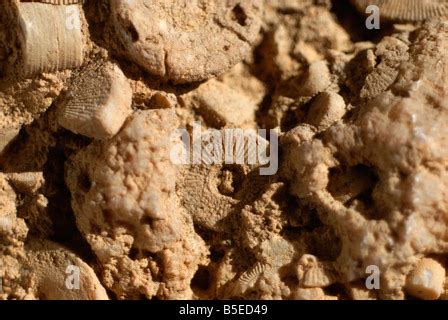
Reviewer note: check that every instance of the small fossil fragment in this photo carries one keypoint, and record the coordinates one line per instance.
(406, 10)
(312, 273)
(426, 280)
(186, 41)
(392, 52)
(325, 110)
(51, 267)
(201, 197)
(99, 101)
(248, 278)
(48, 42)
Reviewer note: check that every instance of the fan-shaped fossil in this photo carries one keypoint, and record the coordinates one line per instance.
(99, 101)
(186, 41)
(313, 273)
(48, 41)
(201, 197)
(406, 10)
(210, 191)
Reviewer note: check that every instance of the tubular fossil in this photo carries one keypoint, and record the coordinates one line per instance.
(50, 38)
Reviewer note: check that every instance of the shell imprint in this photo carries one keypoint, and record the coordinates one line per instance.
(99, 102)
(206, 188)
(407, 10)
(51, 38)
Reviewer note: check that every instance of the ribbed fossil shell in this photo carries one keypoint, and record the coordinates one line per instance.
(312, 273)
(48, 42)
(99, 101)
(317, 277)
(201, 197)
(406, 10)
(249, 278)
(199, 190)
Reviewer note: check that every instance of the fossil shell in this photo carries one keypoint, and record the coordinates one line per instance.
(202, 191)
(249, 278)
(99, 101)
(317, 277)
(49, 266)
(186, 41)
(406, 10)
(313, 274)
(201, 197)
(49, 42)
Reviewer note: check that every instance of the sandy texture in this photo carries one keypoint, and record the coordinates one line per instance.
(87, 123)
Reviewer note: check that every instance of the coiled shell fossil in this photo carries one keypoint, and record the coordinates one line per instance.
(99, 102)
(50, 38)
(186, 41)
(406, 10)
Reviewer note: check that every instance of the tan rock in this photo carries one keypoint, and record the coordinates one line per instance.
(427, 280)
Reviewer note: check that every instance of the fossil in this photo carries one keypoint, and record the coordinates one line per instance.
(248, 278)
(186, 41)
(313, 273)
(99, 101)
(51, 265)
(209, 191)
(392, 53)
(48, 42)
(406, 10)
